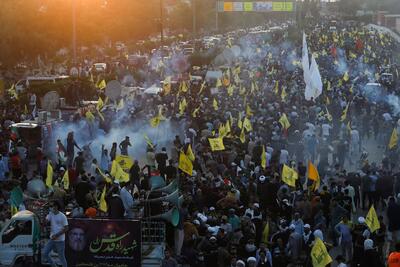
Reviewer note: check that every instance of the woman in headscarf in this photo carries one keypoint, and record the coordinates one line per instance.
(370, 257)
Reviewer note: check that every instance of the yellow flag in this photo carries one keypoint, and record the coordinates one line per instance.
(351, 88)
(203, 85)
(240, 122)
(124, 161)
(265, 234)
(263, 158)
(247, 125)
(148, 141)
(105, 177)
(228, 126)
(219, 83)
(25, 110)
(121, 104)
(242, 136)
(182, 106)
(283, 94)
(328, 86)
(49, 177)
(249, 112)
(13, 92)
(195, 111)
(216, 144)
(319, 255)
(118, 173)
(155, 121)
(185, 164)
(328, 115)
(222, 131)
(102, 84)
(283, 120)
(100, 115)
(167, 85)
(66, 180)
(230, 90)
(183, 87)
(344, 113)
(215, 104)
(393, 139)
(103, 203)
(276, 89)
(189, 153)
(100, 104)
(289, 176)
(89, 116)
(372, 220)
(346, 76)
(312, 172)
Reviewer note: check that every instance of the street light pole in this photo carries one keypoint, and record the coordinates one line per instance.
(74, 30)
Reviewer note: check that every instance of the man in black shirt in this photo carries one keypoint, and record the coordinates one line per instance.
(123, 146)
(170, 171)
(161, 159)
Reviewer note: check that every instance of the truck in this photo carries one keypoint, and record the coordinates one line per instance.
(123, 243)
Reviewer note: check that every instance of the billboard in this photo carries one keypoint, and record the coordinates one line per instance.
(103, 242)
(255, 6)
(228, 6)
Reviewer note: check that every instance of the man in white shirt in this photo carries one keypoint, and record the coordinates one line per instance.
(58, 228)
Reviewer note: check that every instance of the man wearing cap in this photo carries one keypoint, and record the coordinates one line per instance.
(295, 243)
(251, 262)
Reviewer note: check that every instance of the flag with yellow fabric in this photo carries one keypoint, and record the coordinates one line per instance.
(313, 175)
(189, 153)
(203, 85)
(124, 161)
(105, 177)
(118, 172)
(319, 254)
(219, 83)
(393, 139)
(240, 122)
(215, 104)
(121, 104)
(344, 113)
(66, 180)
(102, 84)
(247, 125)
(228, 126)
(148, 141)
(328, 115)
(195, 111)
(183, 87)
(216, 144)
(346, 76)
(289, 176)
(283, 94)
(230, 90)
(100, 104)
(167, 85)
(26, 110)
(13, 92)
(263, 158)
(283, 120)
(276, 88)
(249, 111)
(89, 116)
(242, 136)
(182, 106)
(155, 121)
(49, 175)
(185, 164)
(102, 202)
(372, 220)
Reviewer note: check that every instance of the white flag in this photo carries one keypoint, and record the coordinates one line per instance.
(316, 81)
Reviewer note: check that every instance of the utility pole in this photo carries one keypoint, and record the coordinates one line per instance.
(74, 30)
(162, 23)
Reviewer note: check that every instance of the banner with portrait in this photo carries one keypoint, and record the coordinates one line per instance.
(103, 243)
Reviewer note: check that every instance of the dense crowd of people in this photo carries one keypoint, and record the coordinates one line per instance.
(237, 209)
